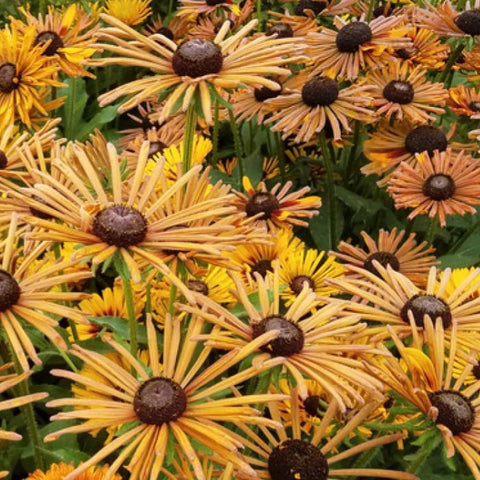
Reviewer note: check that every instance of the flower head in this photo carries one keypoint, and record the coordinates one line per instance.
(130, 12)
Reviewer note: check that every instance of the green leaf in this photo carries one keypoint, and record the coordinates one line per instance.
(126, 427)
(119, 326)
(73, 109)
(320, 226)
(102, 117)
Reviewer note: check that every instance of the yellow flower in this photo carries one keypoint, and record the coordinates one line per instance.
(131, 12)
(58, 471)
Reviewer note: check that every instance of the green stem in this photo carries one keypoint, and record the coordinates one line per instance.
(330, 190)
(170, 8)
(67, 359)
(424, 454)
(451, 60)
(189, 135)
(28, 414)
(430, 236)
(371, 7)
(71, 112)
(281, 156)
(216, 129)
(259, 15)
(351, 163)
(238, 146)
(132, 321)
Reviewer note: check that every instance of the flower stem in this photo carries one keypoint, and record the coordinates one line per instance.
(238, 146)
(71, 111)
(259, 15)
(330, 189)
(371, 7)
(430, 236)
(281, 155)
(351, 162)
(216, 130)
(189, 136)
(132, 321)
(28, 413)
(452, 59)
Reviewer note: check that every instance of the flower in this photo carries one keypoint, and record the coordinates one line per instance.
(438, 185)
(66, 35)
(23, 71)
(130, 12)
(445, 20)
(58, 471)
(206, 7)
(8, 381)
(277, 208)
(314, 344)
(318, 103)
(26, 295)
(404, 93)
(391, 144)
(426, 50)
(464, 101)
(313, 8)
(391, 299)
(196, 67)
(301, 454)
(307, 266)
(355, 46)
(427, 383)
(403, 255)
(164, 404)
(125, 215)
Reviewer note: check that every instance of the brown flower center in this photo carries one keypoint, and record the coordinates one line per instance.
(262, 202)
(384, 258)
(476, 371)
(475, 106)
(55, 42)
(421, 305)
(9, 291)
(264, 93)
(385, 10)
(283, 30)
(454, 411)
(155, 147)
(297, 459)
(262, 267)
(311, 405)
(159, 400)
(198, 286)
(439, 187)
(297, 283)
(289, 341)
(212, 3)
(399, 92)
(426, 139)
(352, 35)
(197, 57)
(320, 91)
(120, 226)
(8, 79)
(315, 7)
(406, 53)
(469, 22)
(3, 160)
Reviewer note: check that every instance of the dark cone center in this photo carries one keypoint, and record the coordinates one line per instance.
(264, 93)
(159, 400)
(476, 372)
(421, 305)
(8, 78)
(311, 405)
(426, 139)
(406, 53)
(475, 106)
(155, 147)
(399, 92)
(262, 202)
(120, 226)
(384, 258)
(262, 267)
(439, 187)
(197, 57)
(290, 339)
(315, 7)
(351, 36)
(384, 10)
(454, 411)
(9, 291)
(320, 91)
(198, 286)
(55, 42)
(3, 160)
(283, 30)
(295, 460)
(469, 22)
(297, 283)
